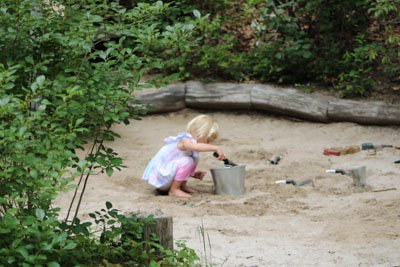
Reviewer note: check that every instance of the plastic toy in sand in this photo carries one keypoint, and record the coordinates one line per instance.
(340, 151)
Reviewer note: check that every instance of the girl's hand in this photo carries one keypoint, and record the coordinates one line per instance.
(221, 155)
(199, 175)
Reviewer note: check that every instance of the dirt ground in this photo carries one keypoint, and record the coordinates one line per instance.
(330, 223)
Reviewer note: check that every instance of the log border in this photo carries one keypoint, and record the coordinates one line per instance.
(268, 98)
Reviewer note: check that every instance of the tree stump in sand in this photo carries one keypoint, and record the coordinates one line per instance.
(162, 229)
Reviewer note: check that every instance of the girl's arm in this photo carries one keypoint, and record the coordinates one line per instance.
(187, 145)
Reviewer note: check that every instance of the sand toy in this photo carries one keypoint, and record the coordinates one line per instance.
(358, 174)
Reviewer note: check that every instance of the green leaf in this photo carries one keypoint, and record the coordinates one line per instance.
(23, 252)
(40, 80)
(33, 174)
(10, 221)
(196, 13)
(307, 54)
(97, 18)
(108, 205)
(79, 121)
(70, 245)
(40, 214)
(111, 222)
(46, 246)
(34, 87)
(60, 238)
(10, 260)
(9, 86)
(103, 54)
(29, 59)
(109, 171)
(53, 264)
(38, 83)
(82, 164)
(5, 230)
(5, 100)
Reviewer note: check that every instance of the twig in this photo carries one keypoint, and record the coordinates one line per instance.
(204, 238)
(81, 178)
(84, 185)
(385, 189)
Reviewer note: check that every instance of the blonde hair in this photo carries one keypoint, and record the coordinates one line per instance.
(203, 126)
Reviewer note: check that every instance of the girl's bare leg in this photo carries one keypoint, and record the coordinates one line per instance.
(176, 191)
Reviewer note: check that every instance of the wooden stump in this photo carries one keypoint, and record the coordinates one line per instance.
(162, 229)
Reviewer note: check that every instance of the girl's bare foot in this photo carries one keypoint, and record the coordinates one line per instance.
(179, 193)
(189, 189)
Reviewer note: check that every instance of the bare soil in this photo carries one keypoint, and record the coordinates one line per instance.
(330, 223)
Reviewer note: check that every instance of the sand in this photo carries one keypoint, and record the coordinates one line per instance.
(332, 223)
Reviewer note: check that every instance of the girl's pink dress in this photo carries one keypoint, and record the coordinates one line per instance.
(171, 163)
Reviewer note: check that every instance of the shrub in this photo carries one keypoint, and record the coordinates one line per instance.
(357, 80)
(68, 70)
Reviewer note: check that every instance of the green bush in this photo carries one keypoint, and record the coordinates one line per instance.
(218, 62)
(357, 80)
(299, 42)
(385, 13)
(113, 239)
(68, 70)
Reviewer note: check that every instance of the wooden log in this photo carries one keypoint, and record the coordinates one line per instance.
(284, 101)
(290, 102)
(363, 112)
(162, 229)
(218, 95)
(165, 99)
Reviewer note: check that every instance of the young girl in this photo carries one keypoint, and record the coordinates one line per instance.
(177, 160)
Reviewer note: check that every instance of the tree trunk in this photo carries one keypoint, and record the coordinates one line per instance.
(162, 229)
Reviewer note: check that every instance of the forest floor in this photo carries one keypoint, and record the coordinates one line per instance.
(330, 223)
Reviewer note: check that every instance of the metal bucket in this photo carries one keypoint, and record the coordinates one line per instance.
(359, 176)
(229, 180)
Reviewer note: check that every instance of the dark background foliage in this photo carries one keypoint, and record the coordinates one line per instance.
(351, 46)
